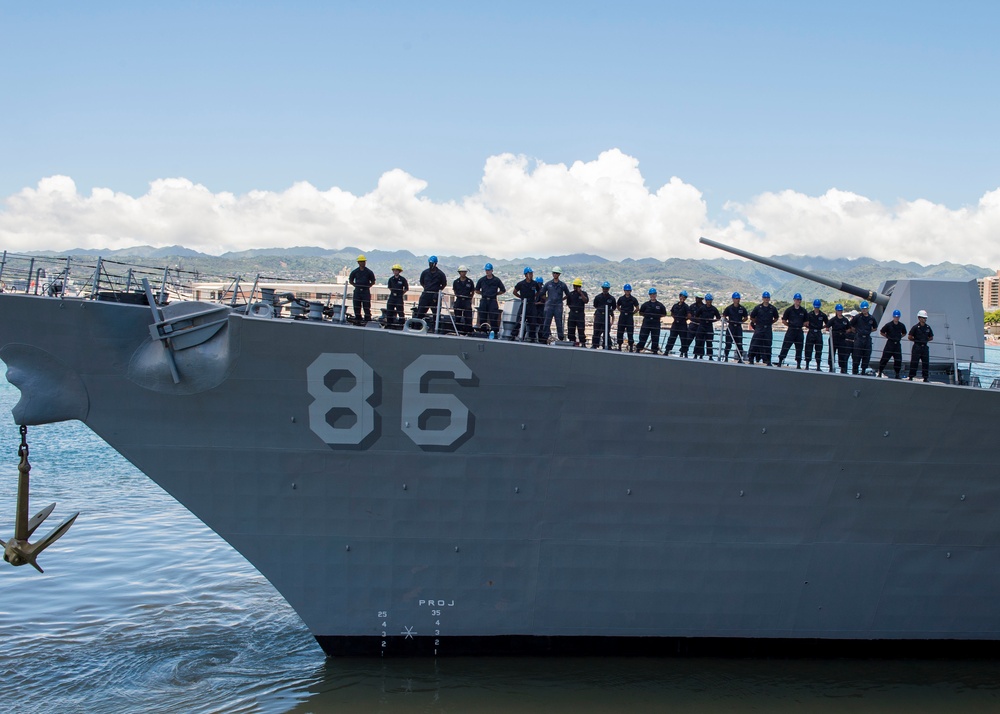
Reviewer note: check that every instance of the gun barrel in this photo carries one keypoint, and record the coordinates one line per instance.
(871, 295)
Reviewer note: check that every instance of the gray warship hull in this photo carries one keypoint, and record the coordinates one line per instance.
(414, 493)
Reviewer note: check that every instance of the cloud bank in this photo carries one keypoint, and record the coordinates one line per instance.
(522, 208)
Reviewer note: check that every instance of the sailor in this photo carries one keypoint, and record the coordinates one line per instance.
(463, 287)
(652, 311)
(762, 318)
(840, 330)
(706, 329)
(694, 327)
(920, 335)
(576, 301)
(893, 332)
(555, 293)
(735, 315)
(863, 326)
(604, 311)
(816, 321)
(398, 286)
(488, 288)
(627, 306)
(539, 307)
(525, 292)
(680, 311)
(794, 319)
(433, 281)
(362, 279)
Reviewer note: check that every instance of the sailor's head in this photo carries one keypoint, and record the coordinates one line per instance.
(488, 268)
(708, 297)
(362, 260)
(864, 306)
(839, 308)
(528, 273)
(652, 294)
(922, 316)
(683, 295)
(462, 270)
(540, 280)
(432, 261)
(765, 297)
(797, 299)
(556, 272)
(816, 305)
(736, 298)
(896, 314)
(397, 269)
(605, 286)
(628, 288)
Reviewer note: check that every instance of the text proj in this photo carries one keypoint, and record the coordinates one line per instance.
(417, 405)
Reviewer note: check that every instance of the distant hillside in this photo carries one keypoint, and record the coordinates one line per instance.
(719, 275)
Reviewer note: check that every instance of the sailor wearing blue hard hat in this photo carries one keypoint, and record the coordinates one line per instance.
(433, 281)
(680, 313)
(488, 288)
(843, 346)
(526, 293)
(705, 321)
(893, 331)
(816, 322)
(733, 318)
(863, 326)
(762, 319)
(628, 305)
(795, 320)
(604, 313)
(652, 311)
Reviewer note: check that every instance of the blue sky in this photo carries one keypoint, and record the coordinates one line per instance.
(893, 101)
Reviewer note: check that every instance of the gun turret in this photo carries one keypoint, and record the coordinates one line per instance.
(873, 296)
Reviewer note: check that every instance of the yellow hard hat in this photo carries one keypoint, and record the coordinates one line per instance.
(397, 266)
(362, 259)
(577, 281)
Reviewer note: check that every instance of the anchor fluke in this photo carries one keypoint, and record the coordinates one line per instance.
(18, 551)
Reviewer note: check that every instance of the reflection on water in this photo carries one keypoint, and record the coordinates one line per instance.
(143, 609)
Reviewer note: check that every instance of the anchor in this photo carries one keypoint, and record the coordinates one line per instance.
(18, 551)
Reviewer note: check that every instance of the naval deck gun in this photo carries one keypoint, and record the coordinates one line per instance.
(954, 309)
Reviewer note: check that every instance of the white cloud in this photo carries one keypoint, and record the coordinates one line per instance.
(521, 208)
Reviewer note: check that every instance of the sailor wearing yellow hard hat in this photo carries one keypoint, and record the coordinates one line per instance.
(398, 285)
(362, 279)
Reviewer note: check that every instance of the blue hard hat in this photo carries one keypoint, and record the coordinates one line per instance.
(529, 270)
(864, 305)
(897, 313)
(628, 286)
(605, 284)
(817, 303)
(540, 279)
(736, 296)
(488, 266)
(432, 259)
(797, 296)
(652, 291)
(684, 293)
(839, 307)
(708, 296)
(766, 294)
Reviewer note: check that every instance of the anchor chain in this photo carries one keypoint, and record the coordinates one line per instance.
(22, 450)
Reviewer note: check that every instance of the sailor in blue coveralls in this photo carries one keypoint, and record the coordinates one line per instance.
(920, 335)
(733, 318)
(526, 292)
(794, 319)
(839, 328)
(433, 281)
(863, 325)
(604, 312)
(488, 288)
(555, 293)
(362, 279)
(762, 318)
(464, 288)
(680, 311)
(652, 311)
(893, 332)
(627, 307)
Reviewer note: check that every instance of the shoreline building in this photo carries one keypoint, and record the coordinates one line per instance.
(989, 291)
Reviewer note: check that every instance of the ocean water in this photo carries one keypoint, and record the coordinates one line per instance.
(143, 609)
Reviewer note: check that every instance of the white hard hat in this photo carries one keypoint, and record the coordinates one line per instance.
(922, 313)
(463, 269)
(557, 269)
